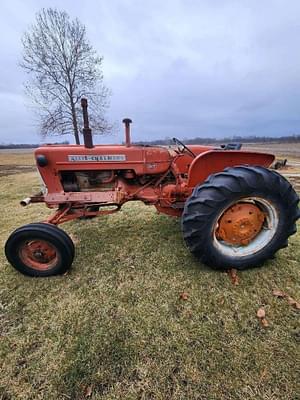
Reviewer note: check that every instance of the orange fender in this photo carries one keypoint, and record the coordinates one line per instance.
(213, 161)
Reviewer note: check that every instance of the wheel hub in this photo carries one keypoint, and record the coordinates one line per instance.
(240, 224)
(39, 254)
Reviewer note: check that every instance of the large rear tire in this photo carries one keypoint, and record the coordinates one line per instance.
(40, 249)
(240, 217)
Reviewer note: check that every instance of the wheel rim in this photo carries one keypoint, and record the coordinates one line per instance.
(38, 254)
(245, 227)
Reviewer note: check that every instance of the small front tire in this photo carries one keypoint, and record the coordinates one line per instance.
(40, 250)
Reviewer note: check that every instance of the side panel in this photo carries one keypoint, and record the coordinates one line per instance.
(214, 161)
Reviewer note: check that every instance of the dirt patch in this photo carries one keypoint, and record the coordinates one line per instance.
(6, 170)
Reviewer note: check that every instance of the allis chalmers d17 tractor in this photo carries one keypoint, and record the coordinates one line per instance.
(235, 212)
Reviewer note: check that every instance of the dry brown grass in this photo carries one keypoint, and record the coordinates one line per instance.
(291, 151)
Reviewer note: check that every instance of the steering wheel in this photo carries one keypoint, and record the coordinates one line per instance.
(184, 147)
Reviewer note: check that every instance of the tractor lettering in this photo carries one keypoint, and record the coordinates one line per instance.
(97, 157)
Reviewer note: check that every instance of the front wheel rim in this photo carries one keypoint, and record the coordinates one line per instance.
(263, 237)
(37, 254)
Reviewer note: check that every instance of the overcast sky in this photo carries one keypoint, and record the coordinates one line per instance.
(180, 68)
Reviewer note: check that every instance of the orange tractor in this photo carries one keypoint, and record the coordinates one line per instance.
(235, 212)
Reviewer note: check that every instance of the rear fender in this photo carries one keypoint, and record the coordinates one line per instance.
(214, 161)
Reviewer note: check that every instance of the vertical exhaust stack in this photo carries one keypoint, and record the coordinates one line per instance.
(127, 122)
(87, 132)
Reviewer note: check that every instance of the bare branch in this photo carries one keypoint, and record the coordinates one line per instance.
(63, 67)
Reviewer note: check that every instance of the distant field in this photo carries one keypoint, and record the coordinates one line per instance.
(284, 150)
(137, 317)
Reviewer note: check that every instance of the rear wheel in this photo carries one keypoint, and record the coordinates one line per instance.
(40, 249)
(240, 217)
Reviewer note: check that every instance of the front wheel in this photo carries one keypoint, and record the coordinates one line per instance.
(40, 249)
(240, 217)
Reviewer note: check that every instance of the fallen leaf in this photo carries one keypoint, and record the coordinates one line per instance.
(290, 300)
(184, 296)
(293, 302)
(75, 239)
(261, 313)
(88, 391)
(233, 276)
(278, 293)
(264, 322)
(263, 375)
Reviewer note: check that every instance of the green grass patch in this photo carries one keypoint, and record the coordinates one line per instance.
(116, 327)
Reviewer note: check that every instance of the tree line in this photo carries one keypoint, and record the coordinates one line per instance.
(229, 139)
(196, 140)
(27, 145)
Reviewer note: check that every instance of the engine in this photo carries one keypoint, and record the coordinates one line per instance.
(88, 181)
(107, 180)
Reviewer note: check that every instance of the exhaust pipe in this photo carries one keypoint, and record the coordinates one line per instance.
(25, 202)
(87, 132)
(127, 122)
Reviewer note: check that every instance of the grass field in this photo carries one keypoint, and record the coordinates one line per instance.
(137, 317)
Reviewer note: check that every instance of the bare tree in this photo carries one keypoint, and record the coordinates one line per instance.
(63, 67)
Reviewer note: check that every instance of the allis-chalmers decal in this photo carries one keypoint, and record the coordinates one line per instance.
(106, 157)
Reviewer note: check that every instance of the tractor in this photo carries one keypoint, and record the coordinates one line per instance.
(235, 212)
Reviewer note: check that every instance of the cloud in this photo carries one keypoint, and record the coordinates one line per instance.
(177, 68)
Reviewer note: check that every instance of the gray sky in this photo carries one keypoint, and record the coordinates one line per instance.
(176, 67)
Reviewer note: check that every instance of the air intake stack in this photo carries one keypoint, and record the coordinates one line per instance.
(127, 122)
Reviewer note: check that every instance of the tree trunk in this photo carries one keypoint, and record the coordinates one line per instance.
(75, 124)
